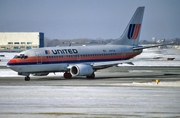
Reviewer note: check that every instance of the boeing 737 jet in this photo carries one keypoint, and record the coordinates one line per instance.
(81, 60)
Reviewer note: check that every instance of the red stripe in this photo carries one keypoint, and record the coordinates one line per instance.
(136, 31)
(45, 59)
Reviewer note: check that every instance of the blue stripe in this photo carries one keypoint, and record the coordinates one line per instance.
(46, 51)
(131, 30)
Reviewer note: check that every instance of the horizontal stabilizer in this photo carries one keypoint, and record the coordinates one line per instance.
(130, 63)
(144, 47)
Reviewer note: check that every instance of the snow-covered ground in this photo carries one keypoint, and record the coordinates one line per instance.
(157, 57)
(162, 84)
(5, 57)
(11, 73)
(162, 54)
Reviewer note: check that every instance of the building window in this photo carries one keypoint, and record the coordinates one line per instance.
(10, 42)
(23, 43)
(22, 46)
(28, 47)
(16, 42)
(3, 47)
(35, 47)
(16, 47)
(29, 42)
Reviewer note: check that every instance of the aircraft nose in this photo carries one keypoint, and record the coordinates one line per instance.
(11, 62)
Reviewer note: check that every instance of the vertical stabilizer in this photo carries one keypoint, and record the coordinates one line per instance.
(132, 32)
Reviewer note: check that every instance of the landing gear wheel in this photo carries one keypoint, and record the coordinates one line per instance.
(91, 76)
(27, 78)
(67, 75)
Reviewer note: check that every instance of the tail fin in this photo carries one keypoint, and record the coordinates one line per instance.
(132, 32)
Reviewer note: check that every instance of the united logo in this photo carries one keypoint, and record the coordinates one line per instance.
(47, 51)
(133, 31)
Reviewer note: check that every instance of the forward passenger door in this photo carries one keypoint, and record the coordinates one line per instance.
(38, 58)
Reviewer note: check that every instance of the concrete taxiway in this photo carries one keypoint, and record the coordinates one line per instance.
(115, 92)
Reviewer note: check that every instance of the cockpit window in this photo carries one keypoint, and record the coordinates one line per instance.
(22, 56)
(16, 56)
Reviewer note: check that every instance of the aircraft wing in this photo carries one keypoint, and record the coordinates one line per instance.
(144, 47)
(111, 63)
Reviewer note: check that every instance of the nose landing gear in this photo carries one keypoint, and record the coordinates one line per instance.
(27, 78)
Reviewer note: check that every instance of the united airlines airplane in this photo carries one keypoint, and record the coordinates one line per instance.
(81, 60)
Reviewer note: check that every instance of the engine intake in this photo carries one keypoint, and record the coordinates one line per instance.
(81, 70)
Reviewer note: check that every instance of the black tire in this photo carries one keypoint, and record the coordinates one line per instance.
(27, 78)
(91, 76)
(67, 75)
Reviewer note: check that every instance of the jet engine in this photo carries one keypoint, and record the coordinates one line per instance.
(81, 70)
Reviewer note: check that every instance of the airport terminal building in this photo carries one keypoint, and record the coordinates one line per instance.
(19, 41)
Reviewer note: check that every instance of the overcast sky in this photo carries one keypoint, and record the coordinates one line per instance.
(70, 19)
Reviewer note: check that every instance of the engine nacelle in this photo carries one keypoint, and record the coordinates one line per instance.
(81, 70)
(40, 74)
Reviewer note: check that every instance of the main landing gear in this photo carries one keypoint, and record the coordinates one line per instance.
(67, 75)
(91, 76)
(27, 78)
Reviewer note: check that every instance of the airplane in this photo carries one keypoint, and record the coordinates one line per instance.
(82, 60)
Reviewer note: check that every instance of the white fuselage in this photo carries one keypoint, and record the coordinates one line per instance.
(58, 59)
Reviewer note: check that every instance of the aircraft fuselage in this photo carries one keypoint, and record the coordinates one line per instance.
(57, 59)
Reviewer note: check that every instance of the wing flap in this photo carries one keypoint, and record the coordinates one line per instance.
(111, 63)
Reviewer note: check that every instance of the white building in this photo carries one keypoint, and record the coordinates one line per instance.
(19, 41)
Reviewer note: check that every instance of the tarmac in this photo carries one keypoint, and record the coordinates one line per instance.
(125, 91)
